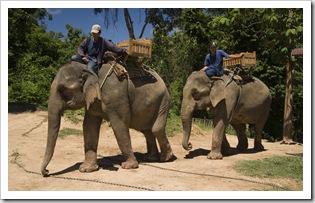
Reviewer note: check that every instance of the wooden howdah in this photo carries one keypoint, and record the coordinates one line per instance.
(138, 48)
(247, 60)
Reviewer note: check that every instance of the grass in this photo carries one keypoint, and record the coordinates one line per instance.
(173, 125)
(203, 125)
(69, 131)
(75, 116)
(274, 167)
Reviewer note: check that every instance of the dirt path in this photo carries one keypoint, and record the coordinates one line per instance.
(191, 171)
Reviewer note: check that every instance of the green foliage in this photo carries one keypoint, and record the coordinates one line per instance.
(75, 116)
(173, 125)
(276, 167)
(203, 125)
(35, 55)
(69, 131)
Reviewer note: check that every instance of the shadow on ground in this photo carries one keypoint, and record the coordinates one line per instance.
(205, 152)
(106, 163)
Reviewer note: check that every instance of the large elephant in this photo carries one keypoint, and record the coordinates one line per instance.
(139, 103)
(229, 103)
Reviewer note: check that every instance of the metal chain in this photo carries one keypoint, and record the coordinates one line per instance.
(217, 176)
(81, 179)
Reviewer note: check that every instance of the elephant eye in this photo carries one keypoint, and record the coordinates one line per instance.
(196, 95)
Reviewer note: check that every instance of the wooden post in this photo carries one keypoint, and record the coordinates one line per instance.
(288, 103)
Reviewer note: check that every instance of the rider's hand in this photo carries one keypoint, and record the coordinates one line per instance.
(85, 59)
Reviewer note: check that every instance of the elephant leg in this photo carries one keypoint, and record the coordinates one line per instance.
(226, 148)
(220, 121)
(242, 139)
(152, 150)
(166, 151)
(158, 131)
(121, 131)
(91, 130)
(217, 139)
(258, 127)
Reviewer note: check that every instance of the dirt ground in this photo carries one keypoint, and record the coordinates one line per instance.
(190, 171)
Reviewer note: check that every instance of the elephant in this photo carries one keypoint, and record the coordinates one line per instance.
(138, 103)
(229, 103)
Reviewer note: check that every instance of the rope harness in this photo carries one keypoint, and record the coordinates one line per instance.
(106, 76)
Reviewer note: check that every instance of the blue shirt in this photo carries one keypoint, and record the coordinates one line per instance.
(215, 62)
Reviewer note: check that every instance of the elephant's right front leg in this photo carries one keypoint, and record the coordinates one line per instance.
(218, 137)
(91, 131)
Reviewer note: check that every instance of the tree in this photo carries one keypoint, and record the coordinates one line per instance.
(35, 55)
(163, 18)
(21, 21)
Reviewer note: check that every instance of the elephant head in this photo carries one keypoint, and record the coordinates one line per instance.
(199, 93)
(73, 87)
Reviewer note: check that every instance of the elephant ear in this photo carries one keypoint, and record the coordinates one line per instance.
(217, 91)
(91, 88)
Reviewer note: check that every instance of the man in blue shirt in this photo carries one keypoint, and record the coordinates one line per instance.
(213, 65)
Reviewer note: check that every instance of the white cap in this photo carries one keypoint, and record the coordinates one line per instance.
(96, 29)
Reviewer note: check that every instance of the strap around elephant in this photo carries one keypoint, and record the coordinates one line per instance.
(108, 73)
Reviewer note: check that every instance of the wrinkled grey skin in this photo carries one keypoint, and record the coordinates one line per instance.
(144, 109)
(229, 105)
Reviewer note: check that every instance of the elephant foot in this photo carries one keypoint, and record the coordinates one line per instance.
(288, 142)
(130, 164)
(166, 156)
(88, 167)
(215, 155)
(242, 146)
(258, 146)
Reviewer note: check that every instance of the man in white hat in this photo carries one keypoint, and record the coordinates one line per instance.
(92, 49)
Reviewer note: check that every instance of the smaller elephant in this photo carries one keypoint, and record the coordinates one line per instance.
(229, 103)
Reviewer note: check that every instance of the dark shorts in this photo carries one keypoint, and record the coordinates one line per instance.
(214, 72)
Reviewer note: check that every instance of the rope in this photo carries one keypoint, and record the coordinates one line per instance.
(128, 83)
(108, 73)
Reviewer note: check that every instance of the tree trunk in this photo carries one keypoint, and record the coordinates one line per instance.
(129, 24)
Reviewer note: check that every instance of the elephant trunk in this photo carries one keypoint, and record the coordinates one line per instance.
(55, 110)
(186, 116)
